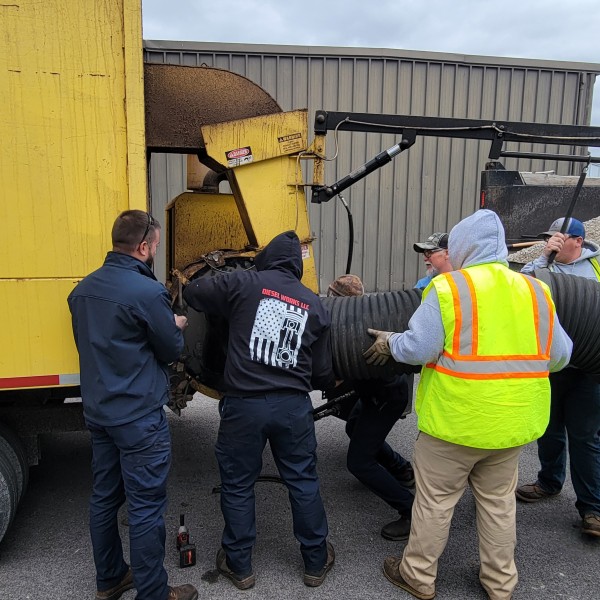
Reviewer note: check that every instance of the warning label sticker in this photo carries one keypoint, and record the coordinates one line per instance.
(239, 156)
(290, 143)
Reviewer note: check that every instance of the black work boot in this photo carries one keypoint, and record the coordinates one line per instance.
(405, 475)
(183, 592)
(117, 591)
(396, 530)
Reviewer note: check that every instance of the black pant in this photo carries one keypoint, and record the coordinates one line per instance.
(284, 419)
(370, 458)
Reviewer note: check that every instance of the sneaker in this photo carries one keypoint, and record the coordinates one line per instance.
(533, 492)
(396, 531)
(183, 592)
(392, 572)
(591, 524)
(118, 590)
(316, 579)
(405, 475)
(241, 582)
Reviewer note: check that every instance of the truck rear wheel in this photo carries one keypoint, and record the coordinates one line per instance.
(13, 448)
(14, 476)
(9, 493)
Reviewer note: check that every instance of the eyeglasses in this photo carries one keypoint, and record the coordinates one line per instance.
(428, 253)
(148, 225)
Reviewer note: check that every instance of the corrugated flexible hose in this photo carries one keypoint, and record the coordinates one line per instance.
(577, 303)
(352, 316)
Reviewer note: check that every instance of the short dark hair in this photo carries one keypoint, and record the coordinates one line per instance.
(131, 228)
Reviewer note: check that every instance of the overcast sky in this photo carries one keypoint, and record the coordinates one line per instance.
(548, 29)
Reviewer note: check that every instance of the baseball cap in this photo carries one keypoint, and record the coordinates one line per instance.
(575, 228)
(436, 241)
(346, 285)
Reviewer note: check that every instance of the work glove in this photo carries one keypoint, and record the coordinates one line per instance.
(379, 353)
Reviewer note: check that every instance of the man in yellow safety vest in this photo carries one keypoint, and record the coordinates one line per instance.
(487, 338)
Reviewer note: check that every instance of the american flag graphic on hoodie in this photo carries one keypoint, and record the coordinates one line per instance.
(277, 333)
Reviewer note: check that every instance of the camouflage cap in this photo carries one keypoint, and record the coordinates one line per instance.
(346, 285)
(436, 241)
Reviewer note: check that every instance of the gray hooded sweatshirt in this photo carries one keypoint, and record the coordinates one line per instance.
(582, 267)
(476, 240)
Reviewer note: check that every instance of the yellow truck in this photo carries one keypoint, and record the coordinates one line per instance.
(72, 157)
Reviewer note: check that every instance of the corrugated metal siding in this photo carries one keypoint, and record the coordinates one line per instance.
(430, 187)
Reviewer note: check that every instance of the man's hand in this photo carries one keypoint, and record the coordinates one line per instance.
(181, 322)
(555, 243)
(379, 353)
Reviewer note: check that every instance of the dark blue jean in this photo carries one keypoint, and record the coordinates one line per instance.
(285, 420)
(131, 462)
(371, 459)
(574, 420)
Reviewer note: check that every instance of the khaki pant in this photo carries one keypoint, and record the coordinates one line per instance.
(442, 471)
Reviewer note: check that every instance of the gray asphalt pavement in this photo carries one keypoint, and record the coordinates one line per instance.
(46, 554)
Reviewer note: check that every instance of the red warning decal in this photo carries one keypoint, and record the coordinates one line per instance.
(239, 156)
(239, 153)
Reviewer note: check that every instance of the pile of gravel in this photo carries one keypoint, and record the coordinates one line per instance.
(592, 233)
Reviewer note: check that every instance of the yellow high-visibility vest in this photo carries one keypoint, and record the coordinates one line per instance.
(489, 388)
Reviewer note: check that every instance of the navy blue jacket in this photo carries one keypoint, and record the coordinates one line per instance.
(278, 329)
(126, 335)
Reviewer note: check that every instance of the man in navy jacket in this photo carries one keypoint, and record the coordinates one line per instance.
(126, 334)
(278, 351)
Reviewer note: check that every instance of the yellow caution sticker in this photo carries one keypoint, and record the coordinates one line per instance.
(290, 143)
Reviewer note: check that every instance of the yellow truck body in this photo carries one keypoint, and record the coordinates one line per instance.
(72, 157)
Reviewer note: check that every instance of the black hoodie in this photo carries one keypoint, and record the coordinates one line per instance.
(278, 329)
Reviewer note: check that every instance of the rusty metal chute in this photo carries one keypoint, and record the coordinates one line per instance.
(179, 100)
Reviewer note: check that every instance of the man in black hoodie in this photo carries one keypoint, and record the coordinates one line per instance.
(278, 351)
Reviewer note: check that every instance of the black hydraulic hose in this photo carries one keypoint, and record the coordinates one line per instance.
(350, 234)
(577, 301)
(352, 316)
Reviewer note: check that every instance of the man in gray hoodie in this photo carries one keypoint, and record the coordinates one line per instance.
(575, 405)
(487, 338)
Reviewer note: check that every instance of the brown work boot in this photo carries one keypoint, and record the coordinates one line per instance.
(396, 531)
(183, 592)
(392, 572)
(241, 582)
(591, 524)
(117, 591)
(316, 579)
(533, 492)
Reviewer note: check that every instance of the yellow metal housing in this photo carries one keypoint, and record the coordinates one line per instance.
(262, 157)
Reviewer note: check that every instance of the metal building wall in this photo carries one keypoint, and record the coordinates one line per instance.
(431, 186)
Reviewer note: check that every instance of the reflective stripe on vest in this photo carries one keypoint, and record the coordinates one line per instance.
(596, 267)
(463, 359)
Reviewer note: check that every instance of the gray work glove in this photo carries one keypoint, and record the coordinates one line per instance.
(379, 353)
